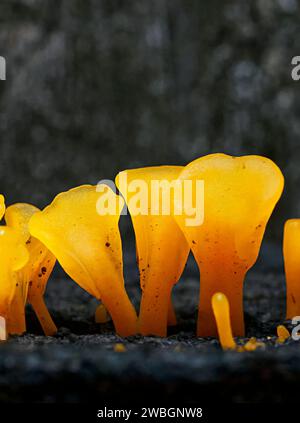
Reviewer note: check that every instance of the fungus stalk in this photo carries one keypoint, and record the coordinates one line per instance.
(33, 278)
(2, 206)
(16, 322)
(226, 278)
(44, 317)
(220, 307)
(291, 252)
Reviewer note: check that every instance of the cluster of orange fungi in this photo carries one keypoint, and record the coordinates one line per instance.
(240, 194)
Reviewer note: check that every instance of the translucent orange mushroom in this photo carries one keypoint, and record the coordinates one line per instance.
(85, 238)
(33, 278)
(162, 250)
(221, 310)
(240, 194)
(291, 253)
(220, 307)
(252, 345)
(13, 257)
(283, 334)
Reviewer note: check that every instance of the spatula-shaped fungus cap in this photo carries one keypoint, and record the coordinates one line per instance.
(86, 241)
(240, 194)
(162, 250)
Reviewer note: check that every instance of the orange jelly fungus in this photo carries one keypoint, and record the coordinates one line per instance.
(283, 334)
(240, 194)
(33, 277)
(2, 206)
(85, 239)
(291, 253)
(120, 348)
(162, 250)
(252, 345)
(221, 310)
(13, 257)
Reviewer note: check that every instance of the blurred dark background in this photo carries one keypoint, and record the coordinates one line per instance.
(98, 86)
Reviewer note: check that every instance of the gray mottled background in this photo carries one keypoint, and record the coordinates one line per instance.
(97, 86)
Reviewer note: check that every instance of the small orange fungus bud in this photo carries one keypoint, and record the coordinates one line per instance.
(220, 306)
(84, 237)
(282, 333)
(162, 250)
(119, 348)
(253, 344)
(13, 257)
(32, 278)
(101, 315)
(291, 253)
(240, 194)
